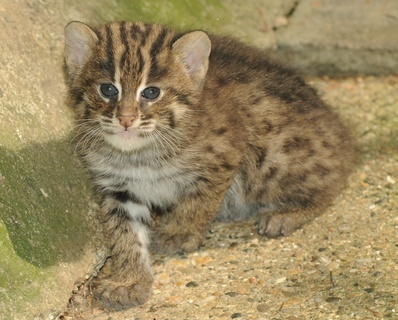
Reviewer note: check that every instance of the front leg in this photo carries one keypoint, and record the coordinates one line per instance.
(183, 229)
(130, 281)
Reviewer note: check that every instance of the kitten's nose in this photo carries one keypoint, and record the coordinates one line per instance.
(126, 121)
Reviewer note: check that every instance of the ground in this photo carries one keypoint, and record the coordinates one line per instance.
(343, 265)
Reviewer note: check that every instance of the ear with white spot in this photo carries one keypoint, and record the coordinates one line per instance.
(193, 50)
(79, 40)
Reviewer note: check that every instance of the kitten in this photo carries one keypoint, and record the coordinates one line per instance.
(184, 126)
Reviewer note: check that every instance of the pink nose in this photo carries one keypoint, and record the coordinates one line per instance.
(126, 121)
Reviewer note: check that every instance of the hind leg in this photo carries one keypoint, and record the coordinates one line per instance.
(283, 223)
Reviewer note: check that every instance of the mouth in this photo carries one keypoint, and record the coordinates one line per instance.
(127, 134)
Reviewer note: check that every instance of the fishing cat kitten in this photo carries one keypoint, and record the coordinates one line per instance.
(185, 126)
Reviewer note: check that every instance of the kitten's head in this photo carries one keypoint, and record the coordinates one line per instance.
(133, 84)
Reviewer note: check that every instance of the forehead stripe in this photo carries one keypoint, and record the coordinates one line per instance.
(110, 53)
(125, 43)
(158, 43)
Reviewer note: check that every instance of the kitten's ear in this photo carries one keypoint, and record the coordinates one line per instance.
(79, 39)
(193, 49)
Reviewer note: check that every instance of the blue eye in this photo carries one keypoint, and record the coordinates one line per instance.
(108, 90)
(150, 93)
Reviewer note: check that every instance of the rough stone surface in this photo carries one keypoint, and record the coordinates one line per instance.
(339, 37)
(45, 226)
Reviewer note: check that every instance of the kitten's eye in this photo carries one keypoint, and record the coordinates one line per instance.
(150, 93)
(108, 90)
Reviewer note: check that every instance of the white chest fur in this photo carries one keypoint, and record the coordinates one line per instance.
(160, 186)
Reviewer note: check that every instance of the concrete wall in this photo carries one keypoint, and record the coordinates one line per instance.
(45, 201)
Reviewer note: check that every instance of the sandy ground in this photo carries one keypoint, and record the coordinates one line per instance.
(343, 265)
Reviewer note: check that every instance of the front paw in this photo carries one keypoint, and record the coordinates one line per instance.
(178, 243)
(117, 295)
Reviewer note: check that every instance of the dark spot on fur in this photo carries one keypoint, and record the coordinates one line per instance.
(213, 168)
(272, 172)
(221, 131)
(227, 166)
(222, 81)
(256, 100)
(243, 78)
(321, 170)
(307, 198)
(296, 143)
(261, 154)
(210, 149)
(161, 210)
(181, 97)
(303, 178)
(243, 174)
(171, 119)
(326, 145)
(205, 180)
(266, 126)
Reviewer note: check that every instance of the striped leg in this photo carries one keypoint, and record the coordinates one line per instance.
(130, 281)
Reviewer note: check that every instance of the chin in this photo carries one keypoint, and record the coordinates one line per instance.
(126, 141)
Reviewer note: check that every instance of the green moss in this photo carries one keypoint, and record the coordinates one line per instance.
(43, 205)
(16, 277)
(177, 13)
(44, 220)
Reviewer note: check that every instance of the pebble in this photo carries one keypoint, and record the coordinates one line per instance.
(280, 280)
(333, 299)
(236, 315)
(262, 307)
(192, 284)
(390, 180)
(252, 279)
(333, 266)
(231, 294)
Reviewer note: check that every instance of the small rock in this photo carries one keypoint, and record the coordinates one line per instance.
(231, 294)
(280, 280)
(333, 266)
(192, 284)
(390, 180)
(333, 299)
(262, 307)
(252, 279)
(236, 315)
